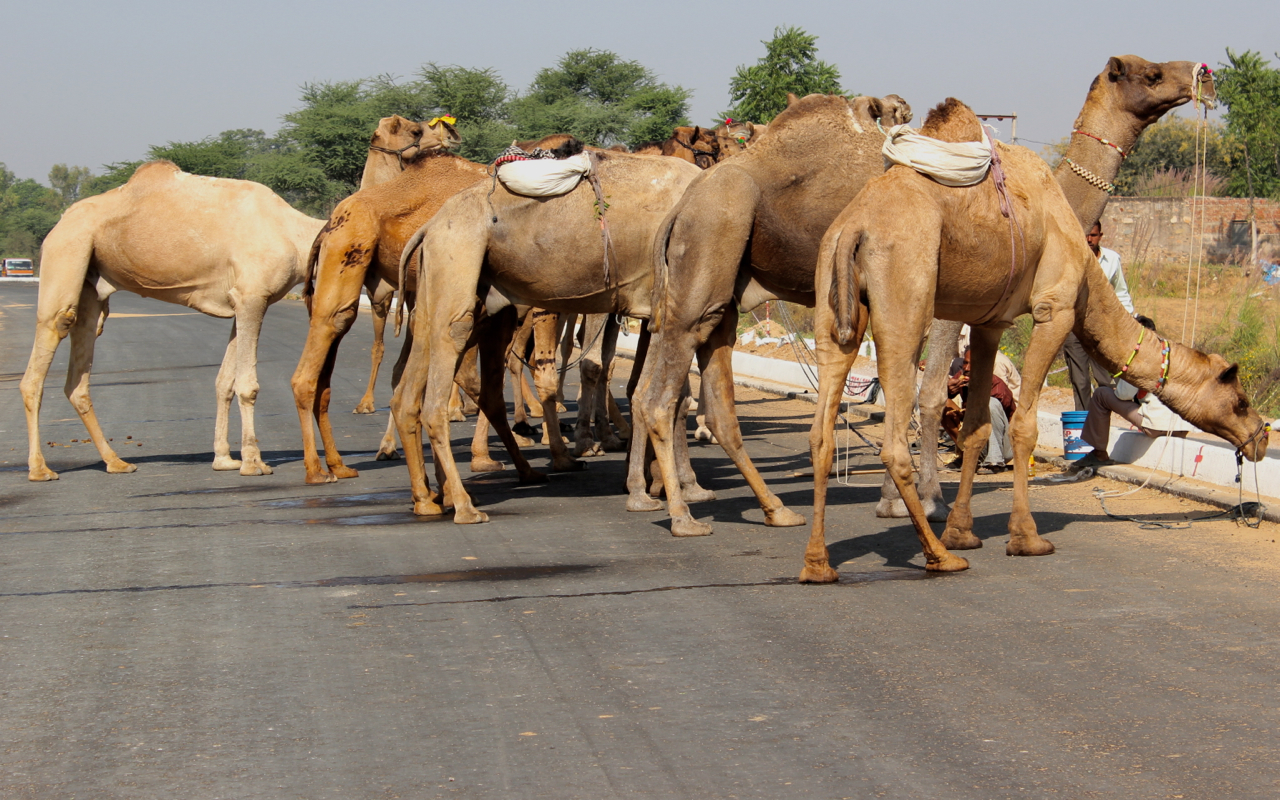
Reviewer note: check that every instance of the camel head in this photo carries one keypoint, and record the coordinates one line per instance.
(409, 140)
(1211, 398)
(889, 110)
(733, 137)
(895, 111)
(696, 145)
(1146, 91)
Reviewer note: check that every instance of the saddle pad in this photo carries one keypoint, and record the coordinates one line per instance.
(544, 177)
(948, 163)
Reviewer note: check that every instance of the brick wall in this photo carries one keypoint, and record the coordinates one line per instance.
(1147, 229)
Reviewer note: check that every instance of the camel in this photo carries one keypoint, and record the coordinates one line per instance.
(487, 249)
(1128, 95)
(225, 247)
(361, 244)
(395, 143)
(694, 144)
(909, 248)
(879, 112)
(746, 231)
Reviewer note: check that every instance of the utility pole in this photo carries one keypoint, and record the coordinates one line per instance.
(1013, 135)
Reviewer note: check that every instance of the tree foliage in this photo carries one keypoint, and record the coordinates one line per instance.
(790, 64)
(1169, 146)
(28, 211)
(1250, 89)
(600, 99)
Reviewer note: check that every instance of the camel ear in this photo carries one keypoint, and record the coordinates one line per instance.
(751, 129)
(875, 107)
(394, 125)
(1117, 69)
(792, 99)
(1229, 375)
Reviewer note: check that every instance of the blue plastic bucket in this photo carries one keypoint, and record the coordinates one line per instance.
(1073, 447)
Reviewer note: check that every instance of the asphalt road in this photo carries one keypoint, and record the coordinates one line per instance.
(181, 633)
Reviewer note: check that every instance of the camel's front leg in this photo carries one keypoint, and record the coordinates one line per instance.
(311, 390)
(1046, 340)
(543, 324)
(249, 314)
(380, 305)
(387, 447)
(715, 357)
(83, 336)
(225, 390)
(51, 328)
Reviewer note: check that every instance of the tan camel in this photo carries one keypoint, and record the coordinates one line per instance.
(1127, 96)
(909, 248)
(566, 271)
(225, 247)
(746, 231)
(883, 112)
(691, 143)
(360, 244)
(395, 144)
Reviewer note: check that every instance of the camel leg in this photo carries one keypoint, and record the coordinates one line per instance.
(380, 303)
(311, 388)
(387, 447)
(84, 334)
(931, 399)
(519, 348)
(249, 315)
(407, 410)
(1046, 340)
(543, 324)
(715, 358)
(606, 409)
(638, 498)
(615, 416)
(225, 390)
(564, 335)
(590, 372)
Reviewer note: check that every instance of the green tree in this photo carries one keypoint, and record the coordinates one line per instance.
(230, 154)
(478, 99)
(601, 99)
(790, 64)
(69, 182)
(1250, 89)
(1170, 146)
(28, 211)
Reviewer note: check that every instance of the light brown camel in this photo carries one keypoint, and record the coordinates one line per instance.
(1127, 96)
(362, 242)
(691, 143)
(225, 247)
(396, 143)
(909, 248)
(483, 252)
(884, 112)
(746, 231)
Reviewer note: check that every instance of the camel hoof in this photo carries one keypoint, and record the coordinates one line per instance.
(469, 516)
(897, 509)
(533, 476)
(568, 465)
(535, 411)
(948, 563)
(783, 518)
(119, 467)
(696, 494)
(818, 573)
(42, 474)
(643, 502)
(705, 435)
(387, 455)
(486, 465)
(615, 445)
(365, 407)
(956, 539)
(560, 408)
(251, 468)
(341, 472)
(523, 441)
(317, 478)
(457, 416)
(688, 526)
(524, 429)
(427, 508)
(1030, 546)
(226, 463)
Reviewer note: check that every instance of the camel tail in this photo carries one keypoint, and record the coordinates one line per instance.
(308, 279)
(661, 274)
(844, 284)
(401, 292)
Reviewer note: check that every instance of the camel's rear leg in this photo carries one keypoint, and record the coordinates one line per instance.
(931, 399)
(387, 447)
(83, 337)
(380, 304)
(51, 329)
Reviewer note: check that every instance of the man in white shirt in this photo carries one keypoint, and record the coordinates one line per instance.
(1079, 365)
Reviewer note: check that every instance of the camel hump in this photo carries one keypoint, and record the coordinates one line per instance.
(952, 121)
(154, 171)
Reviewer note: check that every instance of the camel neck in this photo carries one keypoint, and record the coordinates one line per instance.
(1101, 159)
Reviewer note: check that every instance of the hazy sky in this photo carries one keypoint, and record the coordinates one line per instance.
(87, 83)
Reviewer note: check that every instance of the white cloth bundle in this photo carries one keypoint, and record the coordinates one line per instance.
(544, 177)
(948, 163)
